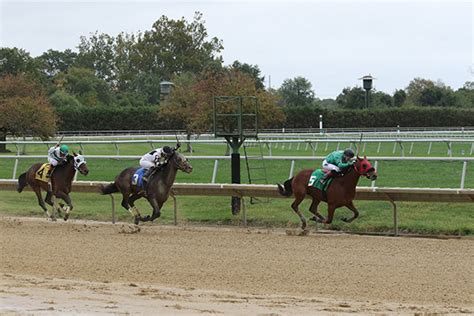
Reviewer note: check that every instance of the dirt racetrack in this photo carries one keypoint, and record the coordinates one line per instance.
(100, 268)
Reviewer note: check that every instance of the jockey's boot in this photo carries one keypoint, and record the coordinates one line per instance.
(327, 176)
(50, 171)
(146, 175)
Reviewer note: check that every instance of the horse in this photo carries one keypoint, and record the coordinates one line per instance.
(158, 188)
(60, 186)
(340, 193)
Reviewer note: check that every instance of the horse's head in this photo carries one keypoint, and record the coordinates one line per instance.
(80, 163)
(363, 167)
(181, 162)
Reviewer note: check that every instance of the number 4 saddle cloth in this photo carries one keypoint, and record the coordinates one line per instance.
(43, 171)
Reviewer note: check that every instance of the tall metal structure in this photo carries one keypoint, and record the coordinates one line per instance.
(235, 119)
(367, 83)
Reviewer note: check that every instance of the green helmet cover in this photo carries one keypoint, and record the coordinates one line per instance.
(64, 149)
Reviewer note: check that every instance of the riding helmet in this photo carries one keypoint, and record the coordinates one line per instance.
(167, 150)
(349, 152)
(64, 149)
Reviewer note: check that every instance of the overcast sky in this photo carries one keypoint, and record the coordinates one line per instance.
(330, 43)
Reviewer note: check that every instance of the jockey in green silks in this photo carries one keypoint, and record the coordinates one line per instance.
(335, 161)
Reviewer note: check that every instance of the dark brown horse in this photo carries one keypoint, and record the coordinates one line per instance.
(341, 191)
(158, 188)
(60, 186)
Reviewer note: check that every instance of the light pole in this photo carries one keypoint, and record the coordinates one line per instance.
(165, 89)
(367, 85)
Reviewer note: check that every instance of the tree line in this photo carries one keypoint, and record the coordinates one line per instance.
(120, 76)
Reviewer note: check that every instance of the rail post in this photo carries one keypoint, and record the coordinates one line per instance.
(113, 208)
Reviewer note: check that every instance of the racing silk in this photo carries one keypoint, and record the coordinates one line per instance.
(153, 159)
(334, 161)
(53, 156)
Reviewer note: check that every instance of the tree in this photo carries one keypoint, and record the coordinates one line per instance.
(136, 64)
(54, 62)
(61, 98)
(85, 86)
(190, 103)
(297, 91)
(399, 97)
(252, 70)
(380, 99)
(425, 92)
(98, 52)
(415, 88)
(15, 61)
(172, 47)
(25, 109)
(465, 95)
(351, 98)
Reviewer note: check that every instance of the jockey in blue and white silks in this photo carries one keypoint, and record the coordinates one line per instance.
(154, 159)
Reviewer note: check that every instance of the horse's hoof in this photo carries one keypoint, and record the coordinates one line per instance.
(346, 220)
(304, 232)
(137, 220)
(66, 217)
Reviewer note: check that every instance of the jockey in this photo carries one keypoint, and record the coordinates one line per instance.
(336, 161)
(154, 159)
(56, 156)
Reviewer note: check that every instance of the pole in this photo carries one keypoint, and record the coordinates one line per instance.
(366, 98)
(320, 124)
(235, 168)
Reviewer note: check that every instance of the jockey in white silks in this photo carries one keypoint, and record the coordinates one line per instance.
(56, 156)
(154, 159)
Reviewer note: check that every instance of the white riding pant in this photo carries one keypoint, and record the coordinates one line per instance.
(330, 167)
(146, 163)
(53, 161)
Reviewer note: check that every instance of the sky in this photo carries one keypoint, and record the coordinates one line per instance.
(330, 43)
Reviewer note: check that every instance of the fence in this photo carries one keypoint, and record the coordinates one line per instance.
(392, 195)
(216, 159)
(405, 145)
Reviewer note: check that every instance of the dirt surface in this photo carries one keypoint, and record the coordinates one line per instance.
(100, 268)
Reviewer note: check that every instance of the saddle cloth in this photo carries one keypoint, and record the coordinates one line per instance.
(315, 178)
(137, 178)
(42, 172)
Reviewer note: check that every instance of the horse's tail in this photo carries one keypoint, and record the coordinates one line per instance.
(21, 182)
(109, 188)
(286, 189)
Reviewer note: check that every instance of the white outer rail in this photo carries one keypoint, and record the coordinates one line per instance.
(286, 158)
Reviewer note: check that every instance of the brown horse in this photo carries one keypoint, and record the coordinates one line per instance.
(341, 191)
(158, 188)
(60, 185)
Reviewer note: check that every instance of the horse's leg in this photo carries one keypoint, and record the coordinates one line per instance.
(37, 191)
(131, 201)
(314, 209)
(65, 197)
(126, 205)
(354, 210)
(298, 199)
(156, 207)
(331, 209)
(47, 199)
